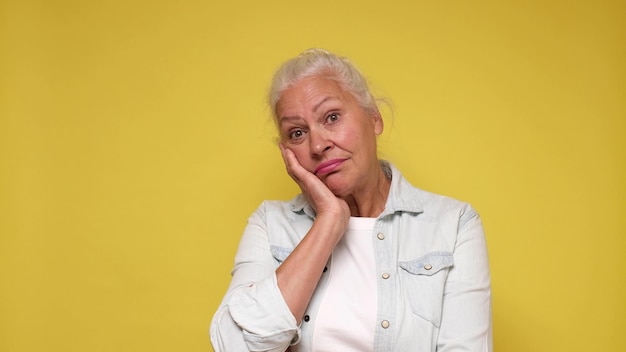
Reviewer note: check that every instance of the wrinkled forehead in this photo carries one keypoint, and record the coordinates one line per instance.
(308, 94)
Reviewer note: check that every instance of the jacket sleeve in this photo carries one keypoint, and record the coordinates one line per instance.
(466, 311)
(253, 315)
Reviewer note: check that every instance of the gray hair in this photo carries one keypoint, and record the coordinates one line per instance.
(318, 62)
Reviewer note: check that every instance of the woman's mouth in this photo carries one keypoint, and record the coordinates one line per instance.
(328, 166)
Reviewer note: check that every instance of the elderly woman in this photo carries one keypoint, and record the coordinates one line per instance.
(361, 260)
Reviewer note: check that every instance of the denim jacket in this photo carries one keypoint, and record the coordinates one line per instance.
(433, 289)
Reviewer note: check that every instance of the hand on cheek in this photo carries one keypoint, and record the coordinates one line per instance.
(316, 192)
(294, 168)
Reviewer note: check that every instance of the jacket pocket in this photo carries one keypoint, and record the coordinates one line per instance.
(423, 281)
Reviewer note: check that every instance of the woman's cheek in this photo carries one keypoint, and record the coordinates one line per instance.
(301, 155)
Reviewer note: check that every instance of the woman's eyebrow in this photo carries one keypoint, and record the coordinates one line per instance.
(317, 106)
(285, 119)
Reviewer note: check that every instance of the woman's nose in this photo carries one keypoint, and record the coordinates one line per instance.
(319, 142)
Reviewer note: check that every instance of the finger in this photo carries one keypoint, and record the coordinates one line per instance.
(286, 159)
(294, 168)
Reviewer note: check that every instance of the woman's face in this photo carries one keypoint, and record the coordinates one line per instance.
(330, 133)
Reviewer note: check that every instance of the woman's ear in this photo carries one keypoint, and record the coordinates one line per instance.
(379, 124)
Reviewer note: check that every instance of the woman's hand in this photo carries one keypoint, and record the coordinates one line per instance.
(298, 275)
(316, 192)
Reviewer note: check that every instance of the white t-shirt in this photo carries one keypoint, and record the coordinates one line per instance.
(347, 316)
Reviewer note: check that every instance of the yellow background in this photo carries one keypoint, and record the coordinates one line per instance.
(134, 143)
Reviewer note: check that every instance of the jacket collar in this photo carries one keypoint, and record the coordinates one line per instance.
(403, 197)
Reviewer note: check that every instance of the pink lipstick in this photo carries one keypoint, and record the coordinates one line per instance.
(328, 166)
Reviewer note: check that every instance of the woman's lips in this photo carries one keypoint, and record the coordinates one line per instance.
(328, 166)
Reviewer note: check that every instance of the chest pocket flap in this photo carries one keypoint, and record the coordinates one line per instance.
(429, 264)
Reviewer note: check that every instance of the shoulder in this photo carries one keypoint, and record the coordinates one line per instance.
(433, 201)
(447, 208)
(406, 197)
(289, 209)
(284, 223)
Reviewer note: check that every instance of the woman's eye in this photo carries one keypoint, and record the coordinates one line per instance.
(332, 117)
(296, 134)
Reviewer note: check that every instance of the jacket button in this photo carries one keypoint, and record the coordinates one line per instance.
(380, 236)
(384, 324)
(307, 318)
(428, 266)
(386, 276)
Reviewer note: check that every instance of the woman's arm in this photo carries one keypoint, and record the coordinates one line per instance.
(253, 314)
(466, 314)
(265, 303)
(299, 274)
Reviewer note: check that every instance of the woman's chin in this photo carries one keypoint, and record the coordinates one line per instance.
(339, 189)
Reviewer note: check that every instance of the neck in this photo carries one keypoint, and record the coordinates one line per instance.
(371, 201)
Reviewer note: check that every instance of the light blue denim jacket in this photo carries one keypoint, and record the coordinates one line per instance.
(433, 288)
